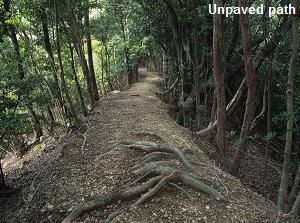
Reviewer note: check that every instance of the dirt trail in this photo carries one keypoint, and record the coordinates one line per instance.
(78, 175)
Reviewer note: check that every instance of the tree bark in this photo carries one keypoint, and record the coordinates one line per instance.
(47, 44)
(229, 108)
(85, 69)
(219, 78)
(178, 45)
(197, 89)
(2, 180)
(77, 36)
(21, 72)
(296, 209)
(78, 87)
(93, 81)
(272, 44)
(295, 186)
(107, 66)
(36, 122)
(130, 79)
(251, 89)
(268, 114)
(64, 87)
(50, 116)
(282, 194)
(102, 73)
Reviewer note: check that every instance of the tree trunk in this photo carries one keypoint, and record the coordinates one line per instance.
(78, 87)
(51, 117)
(102, 73)
(230, 108)
(213, 108)
(197, 81)
(295, 186)
(107, 66)
(282, 194)
(85, 69)
(2, 180)
(64, 87)
(93, 81)
(178, 45)
(296, 209)
(268, 115)
(251, 89)
(47, 44)
(36, 122)
(126, 53)
(219, 78)
(13, 36)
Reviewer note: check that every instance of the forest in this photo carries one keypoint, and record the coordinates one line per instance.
(194, 116)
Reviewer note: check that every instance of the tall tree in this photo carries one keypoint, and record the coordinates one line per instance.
(21, 72)
(48, 47)
(64, 86)
(92, 77)
(219, 77)
(251, 88)
(177, 37)
(2, 180)
(283, 189)
(78, 87)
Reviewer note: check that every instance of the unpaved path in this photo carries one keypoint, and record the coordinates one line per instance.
(78, 175)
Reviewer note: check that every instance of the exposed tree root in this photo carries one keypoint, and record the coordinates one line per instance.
(156, 173)
(181, 189)
(184, 177)
(190, 146)
(128, 193)
(139, 179)
(155, 147)
(112, 217)
(154, 190)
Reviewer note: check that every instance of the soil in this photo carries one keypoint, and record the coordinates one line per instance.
(85, 164)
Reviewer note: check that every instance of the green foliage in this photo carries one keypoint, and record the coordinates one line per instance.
(124, 34)
(270, 136)
(238, 142)
(254, 136)
(187, 104)
(231, 133)
(200, 108)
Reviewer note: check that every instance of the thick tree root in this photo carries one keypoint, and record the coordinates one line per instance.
(155, 156)
(156, 173)
(153, 191)
(181, 189)
(182, 176)
(150, 147)
(128, 193)
(190, 146)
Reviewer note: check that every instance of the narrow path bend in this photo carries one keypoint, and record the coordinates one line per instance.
(74, 178)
